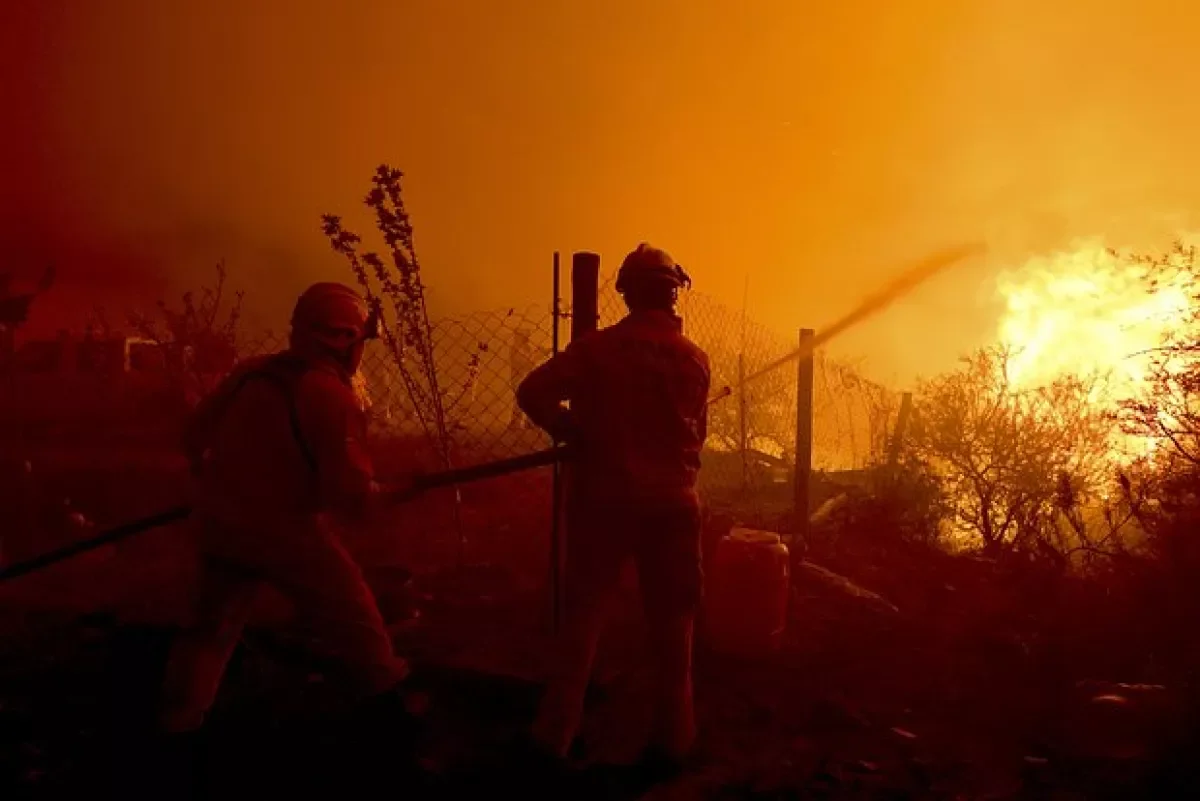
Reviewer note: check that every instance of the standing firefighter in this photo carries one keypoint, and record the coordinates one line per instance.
(278, 454)
(636, 423)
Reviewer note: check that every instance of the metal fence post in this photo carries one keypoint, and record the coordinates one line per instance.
(556, 497)
(802, 489)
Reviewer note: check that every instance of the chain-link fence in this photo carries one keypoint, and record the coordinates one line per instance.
(752, 433)
(480, 358)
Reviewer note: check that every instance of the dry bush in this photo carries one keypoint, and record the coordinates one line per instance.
(1017, 467)
(1167, 414)
(409, 335)
(1092, 557)
(199, 340)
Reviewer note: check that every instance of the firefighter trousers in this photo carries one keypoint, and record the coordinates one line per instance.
(332, 601)
(665, 546)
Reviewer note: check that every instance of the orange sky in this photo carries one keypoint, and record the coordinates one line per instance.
(811, 146)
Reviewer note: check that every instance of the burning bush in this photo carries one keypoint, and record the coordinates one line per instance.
(1019, 470)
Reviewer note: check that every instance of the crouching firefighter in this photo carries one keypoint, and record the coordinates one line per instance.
(278, 458)
(636, 422)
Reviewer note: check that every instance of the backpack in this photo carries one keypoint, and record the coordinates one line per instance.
(284, 371)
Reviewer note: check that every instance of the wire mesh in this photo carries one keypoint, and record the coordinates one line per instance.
(482, 357)
(752, 433)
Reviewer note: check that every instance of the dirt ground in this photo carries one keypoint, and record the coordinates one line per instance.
(925, 703)
(850, 709)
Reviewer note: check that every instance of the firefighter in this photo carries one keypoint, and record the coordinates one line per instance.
(278, 459)
(630, 400)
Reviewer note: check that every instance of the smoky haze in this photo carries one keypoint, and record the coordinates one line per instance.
(810, 147)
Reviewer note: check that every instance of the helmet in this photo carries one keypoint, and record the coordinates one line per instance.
(651, 264)
(333, 315)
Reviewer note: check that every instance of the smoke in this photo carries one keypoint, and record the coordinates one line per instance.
(803, 146)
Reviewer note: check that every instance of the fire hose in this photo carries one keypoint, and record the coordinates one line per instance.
(904, 283)
(877, 301)
(430, 481)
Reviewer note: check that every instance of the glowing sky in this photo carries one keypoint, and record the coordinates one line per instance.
(809, 145)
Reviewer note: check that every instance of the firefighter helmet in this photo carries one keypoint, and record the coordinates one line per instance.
(651, 264)
(333, 315)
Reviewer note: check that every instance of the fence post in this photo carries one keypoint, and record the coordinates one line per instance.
(802, 490)
(898, 433)
(556, 494)
(585, 316)
(585, 293)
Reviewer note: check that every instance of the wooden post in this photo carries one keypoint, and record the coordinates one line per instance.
(898, 433)
(585, 293)
(585, 316)
(802, 490)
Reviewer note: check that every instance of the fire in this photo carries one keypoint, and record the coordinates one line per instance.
(1088, 312)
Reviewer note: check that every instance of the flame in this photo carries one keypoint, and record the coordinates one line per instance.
(1089, 312)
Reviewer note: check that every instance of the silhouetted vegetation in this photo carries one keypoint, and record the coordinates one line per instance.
(198, 340)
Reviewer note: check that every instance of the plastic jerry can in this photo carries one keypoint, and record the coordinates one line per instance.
(746, 594)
